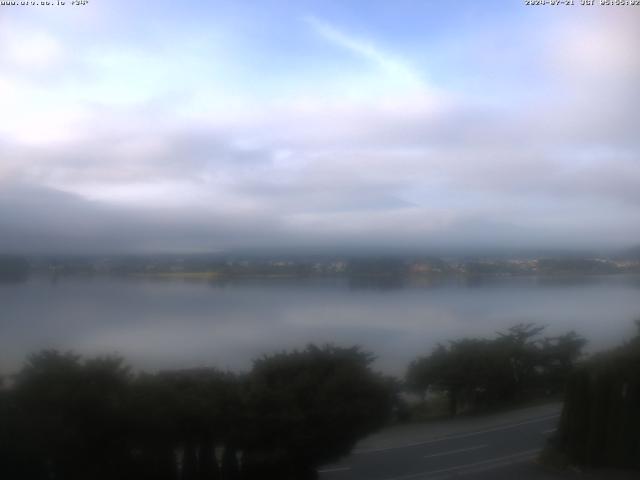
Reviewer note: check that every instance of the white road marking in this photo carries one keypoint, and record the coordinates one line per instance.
(551, 430)
(497, 461)
(524, 455)
(336, 469)
(459, 450)
(459, 435)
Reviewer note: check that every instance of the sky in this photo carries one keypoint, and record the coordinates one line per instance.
(163, 126)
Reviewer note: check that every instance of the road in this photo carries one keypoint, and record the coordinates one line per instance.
(464, 447)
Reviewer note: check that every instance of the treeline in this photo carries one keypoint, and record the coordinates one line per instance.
(359, 269)
(519, 364)
(600, 423)
(579, 266)
(67, 418)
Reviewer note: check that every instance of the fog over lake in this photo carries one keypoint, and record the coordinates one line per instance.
(178, 324)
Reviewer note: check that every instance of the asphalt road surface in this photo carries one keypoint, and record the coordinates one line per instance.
(470, 449)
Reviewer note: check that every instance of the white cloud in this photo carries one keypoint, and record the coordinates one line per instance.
(398, 159)
(598, 47)
(387, 63)
(30, 49)
(33, 114)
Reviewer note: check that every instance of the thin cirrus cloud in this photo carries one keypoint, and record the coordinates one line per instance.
(392, 67)
(314, 129)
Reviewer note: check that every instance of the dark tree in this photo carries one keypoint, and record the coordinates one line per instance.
(517, 365)
(184, 414)
(70, 416)
(559, 356)
(309, 407)
(600, 422)
(471, 372)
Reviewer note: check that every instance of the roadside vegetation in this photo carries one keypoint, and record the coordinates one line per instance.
(474, 374)
(66, 417)
(600, 423)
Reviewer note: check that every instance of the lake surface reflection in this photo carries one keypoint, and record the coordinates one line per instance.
(177, 324)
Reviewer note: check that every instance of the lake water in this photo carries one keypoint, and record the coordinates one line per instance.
(177, 324)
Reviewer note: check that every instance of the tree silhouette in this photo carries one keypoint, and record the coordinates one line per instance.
(600, 422)
(69, 418)
(480, 373)
(184, 414)
(310, 407)
(70, 414)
